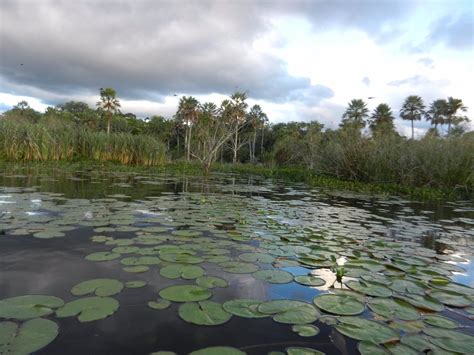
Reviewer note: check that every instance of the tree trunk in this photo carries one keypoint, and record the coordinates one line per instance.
(186, 142)
(189, 142)
(449, 126)
(412, 130)
(253, 144)
(108, 123)
(236, 144)
(261, 143)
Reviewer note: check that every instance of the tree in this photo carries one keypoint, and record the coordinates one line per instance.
(382, 121)
(452, 117)
(109, 104)
(436, 113)
(257, 119)
(235, 112)
(188, 112)
(355, 115)
(412, 110)
(22, 112)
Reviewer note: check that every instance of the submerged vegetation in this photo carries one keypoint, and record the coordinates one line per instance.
(234, 133)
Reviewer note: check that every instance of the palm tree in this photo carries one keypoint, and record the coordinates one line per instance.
(355, 115)
(382, 120)
(238, 106)
(109, 103)
(452, 107)
(436, 113)
(413, 110)
(188, 111)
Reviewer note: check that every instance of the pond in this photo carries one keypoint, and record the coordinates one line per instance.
(107, 262)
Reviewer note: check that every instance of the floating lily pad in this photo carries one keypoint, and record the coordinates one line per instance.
(451, 340)
(236, 267)
(257, 258)
(339, 304)
(363, 329)
(141, 260)
(274, 276)
(390, 308)
(125, 250)
(186, 233)
(102, 256)
(305, 330)
(423, 302)
(310, 280)
(185, 293)
(184, 271)
(369, 288)
(159, 304)
(89, 309)
(218, 350)
(29, 306)
(27, 338)
(369, 348)
(100, 287)
(440, 321)
(211, 282)
(244, 307)
(449, 298)
(204, 313)
(294, 350)
(135, 284)
(182, 258)
(289, 311)
(136, 269)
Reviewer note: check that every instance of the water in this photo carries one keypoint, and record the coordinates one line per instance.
(254, 214)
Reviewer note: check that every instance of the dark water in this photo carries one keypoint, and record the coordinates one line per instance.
(29, 265)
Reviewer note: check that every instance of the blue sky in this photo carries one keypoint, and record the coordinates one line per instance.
(300, 60)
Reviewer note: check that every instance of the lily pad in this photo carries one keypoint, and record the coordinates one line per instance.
(204, 313)
(449, 298)
(100, 287)
(289, 311)
(136, 269)
(244, 307)
(135, 284)
(393, 308)
(369, 348)
(211, 282)
(294, 350)
(27, 338)
(423, 302)
(274, 276)
(451, 340)
(187, 272)
(218, 350)
(89, 309)
(159, 304)
(440, 321)
(102, 256)
(237, 267)
(257, 258)
(369, 288)
(29, 306)
(305, 330)
(185, 293)
(310, 280)
(140, 260)
(363, 329)
(339, 304)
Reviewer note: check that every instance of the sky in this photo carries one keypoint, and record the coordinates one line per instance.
(300, 60)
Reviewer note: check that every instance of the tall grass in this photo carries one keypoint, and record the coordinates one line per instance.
(43, 142)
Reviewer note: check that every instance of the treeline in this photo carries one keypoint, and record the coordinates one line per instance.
(236, 132)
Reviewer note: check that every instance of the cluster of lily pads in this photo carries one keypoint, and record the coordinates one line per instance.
(389, 293)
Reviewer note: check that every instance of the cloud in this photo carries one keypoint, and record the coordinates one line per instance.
(366, 81)
(417, 80)
(427, 62)
(455, 32)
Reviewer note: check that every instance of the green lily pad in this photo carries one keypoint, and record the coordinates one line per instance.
(393, 308)
(100, 287)
(310, 280)
(29, 306)
(402, 349)
(141, 260)
(135, 284)
(182, 258)
(449, 298)
(204, 313)
(236, 267)
(125, 250)
(185, 293)
(339, 304)
(295, 350)
(369, 288)
(423, 302)
(136, 269)
(369, 348)
(159, 304)
(289, 311)
(186, 233)
(27, 338)
(440, 321)
(274, 276)
(305, 330)
(244, 307)
(218, 350)
(363, 329)
(89, 309)
(102, 256)
(211, 282)
(257, 258)
(187, 272)
(451, 340)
